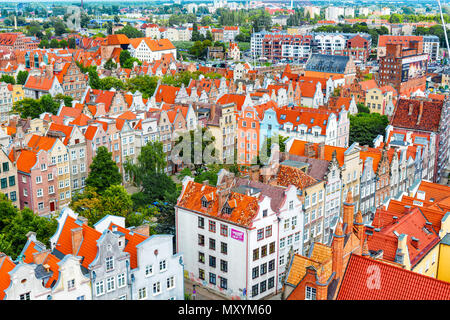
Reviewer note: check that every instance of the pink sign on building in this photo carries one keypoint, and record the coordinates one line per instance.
(238, 235)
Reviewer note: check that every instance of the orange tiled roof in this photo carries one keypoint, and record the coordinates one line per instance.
(242, 215)
(132, 240)
(6, 265)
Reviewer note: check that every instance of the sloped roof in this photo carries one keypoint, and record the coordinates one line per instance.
(6, 265)
(327, 63)
(394, 283)
(407, 113)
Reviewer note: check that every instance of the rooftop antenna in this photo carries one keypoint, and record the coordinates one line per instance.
(445, 28)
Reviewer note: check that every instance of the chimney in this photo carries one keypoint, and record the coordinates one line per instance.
(83, 220)
(309, 150)
(337, 248)
(143, 229)
(39, 257)
(359, 228)
(349, 211)
(205, 182)
(407, 209)
(411, 107)
(420, 113)
(77, 239)
(222, 195)
(254, 173)
(47, 267)
(321, 151)
(322, 288)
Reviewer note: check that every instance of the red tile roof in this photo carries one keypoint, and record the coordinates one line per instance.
(409, 114)
(393, 283)
(26, 160)
(243, 214)
(88, 248)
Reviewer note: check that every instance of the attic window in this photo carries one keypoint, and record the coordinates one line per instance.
(204, 203)
(227, 209)
(283, 117)
(298, 119)
(312, 120)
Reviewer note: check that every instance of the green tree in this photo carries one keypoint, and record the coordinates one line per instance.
(8, 79)
(104, 171)
(362, 108)
(130, 32)
(116, 19)
(94, 79)
(110, 65)
(72, 44)
(22, 77)
(364, 127)
(15, 224)
(144, 84)
(151, 160)
(60, 28)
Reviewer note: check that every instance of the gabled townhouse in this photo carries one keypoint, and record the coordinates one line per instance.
(75, 141)
(47, 83)
(242, 218)
(65, 276)
(6, 101)
(59, 156)
(317, 274)
(156, 272)
(8, 178)
(248, 135)
(425, 117)
(348, 158)
(95, 137)
(72, 80)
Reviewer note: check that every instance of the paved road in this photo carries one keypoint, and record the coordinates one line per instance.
(206, 294)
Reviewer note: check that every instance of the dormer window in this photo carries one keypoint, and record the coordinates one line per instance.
(204, 203)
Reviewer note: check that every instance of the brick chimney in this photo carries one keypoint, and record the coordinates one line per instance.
(77, 239)
(322, 288)
(359, 226)
(349, 211)
(411, 107)
(143, 229)
(254, 173)
(309, 150)
(39, 257)
(420, 112)
(337, 248)
(222, 195)
(321, 151)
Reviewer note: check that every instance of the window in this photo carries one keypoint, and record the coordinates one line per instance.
(271, 265)
(212, 226)
(4, 183)
(110, 284)
(142, 293)
(156, 288)
(255, 254)
(310, 293)
(224, 230)
(148, 270)
(270, 283)
(272, 247)
(50, 176)
(263, 251)
(171, 282)
(263, 269)
(268, 231)
(286, 224)
(255, 272)
(212, 244)
(5, 166)
(223, 283)
(121, 280)
(99, 288)
(282, 242)
(260, 234)
(201, 257)
(162, 266)
(25, 296)
(262, 286)
(291, 205)
(212, 278)
(223, 266)
(201, 274)
(255, 290)
(201, 240)
(109, 263)
(71, 284)
(223, 248)
(201, 222)
(212, 261)
(39, 193)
